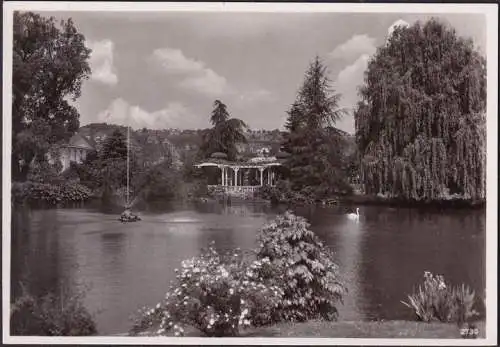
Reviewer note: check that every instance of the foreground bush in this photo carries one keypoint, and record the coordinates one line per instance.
(436, 300)
(290, 277)
(303, 267)
(51, 315)
(217, 294)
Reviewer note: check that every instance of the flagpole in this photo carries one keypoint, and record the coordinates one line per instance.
(128, 167)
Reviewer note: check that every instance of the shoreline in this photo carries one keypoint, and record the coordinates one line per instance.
(395, 202)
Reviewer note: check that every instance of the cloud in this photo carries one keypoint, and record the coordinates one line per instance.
(174, 61)
(208, 83)
(349, 79)
(101, 62)
(354, 47)
(260, 95)
(397, 23)
(174, 115)
(195, 76)
(347, 83)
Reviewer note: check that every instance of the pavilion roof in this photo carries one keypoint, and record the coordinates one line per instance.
(239, 163)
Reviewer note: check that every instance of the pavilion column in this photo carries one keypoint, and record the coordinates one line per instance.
(236, 176)
(261, 169)
(222, 175)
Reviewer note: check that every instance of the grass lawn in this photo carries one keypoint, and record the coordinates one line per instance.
(355, 329)
(359, 329)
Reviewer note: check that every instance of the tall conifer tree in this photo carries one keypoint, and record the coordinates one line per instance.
(314, 160)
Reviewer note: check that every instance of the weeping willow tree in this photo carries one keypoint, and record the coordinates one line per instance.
(420, 124)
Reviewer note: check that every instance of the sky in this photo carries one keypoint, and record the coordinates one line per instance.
(164, 70)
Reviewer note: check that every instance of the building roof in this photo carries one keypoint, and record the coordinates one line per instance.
(79, 141)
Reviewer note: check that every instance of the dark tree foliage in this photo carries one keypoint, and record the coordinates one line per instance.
(420, 127)
(219, 114)
(225, 135)
(161, 182)
(50, 62)
(107, 169)
(115, 146)
(316, 149)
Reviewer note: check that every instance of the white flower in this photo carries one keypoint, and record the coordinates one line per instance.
(246, 322)
(158, 305)
(231, 291)
(177, 333)
(211, 321)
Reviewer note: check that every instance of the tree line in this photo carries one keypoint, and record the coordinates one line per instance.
(419, 125)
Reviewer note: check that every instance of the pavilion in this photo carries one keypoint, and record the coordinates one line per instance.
(243, 176)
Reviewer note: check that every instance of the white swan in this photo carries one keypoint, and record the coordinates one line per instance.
(354, 216)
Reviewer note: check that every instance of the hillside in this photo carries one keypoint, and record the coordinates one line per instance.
(150, 145)
(155, 145)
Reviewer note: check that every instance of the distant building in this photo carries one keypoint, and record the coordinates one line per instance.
(75, 150)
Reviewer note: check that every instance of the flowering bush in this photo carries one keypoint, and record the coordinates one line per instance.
(436, 300)
(302, 266)
(217, 294)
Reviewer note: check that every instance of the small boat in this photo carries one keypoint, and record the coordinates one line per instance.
(127, 217)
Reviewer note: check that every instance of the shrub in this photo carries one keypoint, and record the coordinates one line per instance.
(303, 267)
(436, 300)
(51, 315)
(217, 294)
(55, 194)
(19, 192)
(196, 189)
(283, 193)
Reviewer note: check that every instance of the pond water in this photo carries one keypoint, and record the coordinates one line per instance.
(126, 266)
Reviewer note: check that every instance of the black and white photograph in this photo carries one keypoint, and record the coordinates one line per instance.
(249, 173)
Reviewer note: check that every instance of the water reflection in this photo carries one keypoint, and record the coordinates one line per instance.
(130, 265)
(401, 249)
